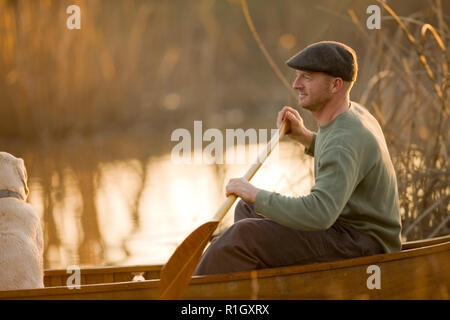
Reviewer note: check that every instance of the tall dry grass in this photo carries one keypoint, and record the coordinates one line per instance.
(135, 61)
(59, 81)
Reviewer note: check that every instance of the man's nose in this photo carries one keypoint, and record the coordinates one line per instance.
(297, 84)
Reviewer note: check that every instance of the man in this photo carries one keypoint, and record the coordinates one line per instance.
(351, 211)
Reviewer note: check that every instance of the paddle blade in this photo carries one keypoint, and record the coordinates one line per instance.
(177, 272)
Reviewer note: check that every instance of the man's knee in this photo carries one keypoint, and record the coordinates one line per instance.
(239, 236)
(243, 234)
(233, 251)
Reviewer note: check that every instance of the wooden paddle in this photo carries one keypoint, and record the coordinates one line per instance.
(177, 272)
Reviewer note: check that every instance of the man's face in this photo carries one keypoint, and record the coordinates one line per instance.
(314, 89)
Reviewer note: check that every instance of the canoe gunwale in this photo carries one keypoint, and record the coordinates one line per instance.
(107, 269)
(424, 242)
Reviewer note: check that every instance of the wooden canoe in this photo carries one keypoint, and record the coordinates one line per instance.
(419, 271)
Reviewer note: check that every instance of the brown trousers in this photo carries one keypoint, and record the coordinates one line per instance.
(254, 242)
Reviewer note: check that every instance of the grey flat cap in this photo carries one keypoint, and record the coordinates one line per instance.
(333, 58)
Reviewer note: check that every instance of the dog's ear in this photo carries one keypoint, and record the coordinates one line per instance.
(22, 172)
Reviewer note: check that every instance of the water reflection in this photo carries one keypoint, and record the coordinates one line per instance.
(136, 211)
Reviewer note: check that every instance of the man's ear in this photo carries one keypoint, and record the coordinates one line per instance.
(336, 85)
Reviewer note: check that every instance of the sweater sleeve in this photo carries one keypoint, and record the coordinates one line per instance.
(336, 180)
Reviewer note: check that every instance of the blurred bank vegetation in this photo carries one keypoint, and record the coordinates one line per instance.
(147, 67)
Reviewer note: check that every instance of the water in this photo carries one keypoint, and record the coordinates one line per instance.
(120, 210)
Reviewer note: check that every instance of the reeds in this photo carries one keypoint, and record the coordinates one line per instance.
(136, 61)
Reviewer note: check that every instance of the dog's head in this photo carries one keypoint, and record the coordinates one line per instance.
(13, 174)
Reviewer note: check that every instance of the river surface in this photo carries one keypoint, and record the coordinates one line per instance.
(136, 210)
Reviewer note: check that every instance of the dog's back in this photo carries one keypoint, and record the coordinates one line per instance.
(21, 246)
(21, 241)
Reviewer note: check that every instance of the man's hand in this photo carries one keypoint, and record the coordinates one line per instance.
(296, 130)
(242, 188)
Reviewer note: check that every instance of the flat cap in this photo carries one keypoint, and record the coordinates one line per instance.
(333, 58)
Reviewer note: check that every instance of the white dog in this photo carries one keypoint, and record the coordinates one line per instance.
(21, 242)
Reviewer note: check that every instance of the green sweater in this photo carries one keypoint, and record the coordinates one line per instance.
(355, 181)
